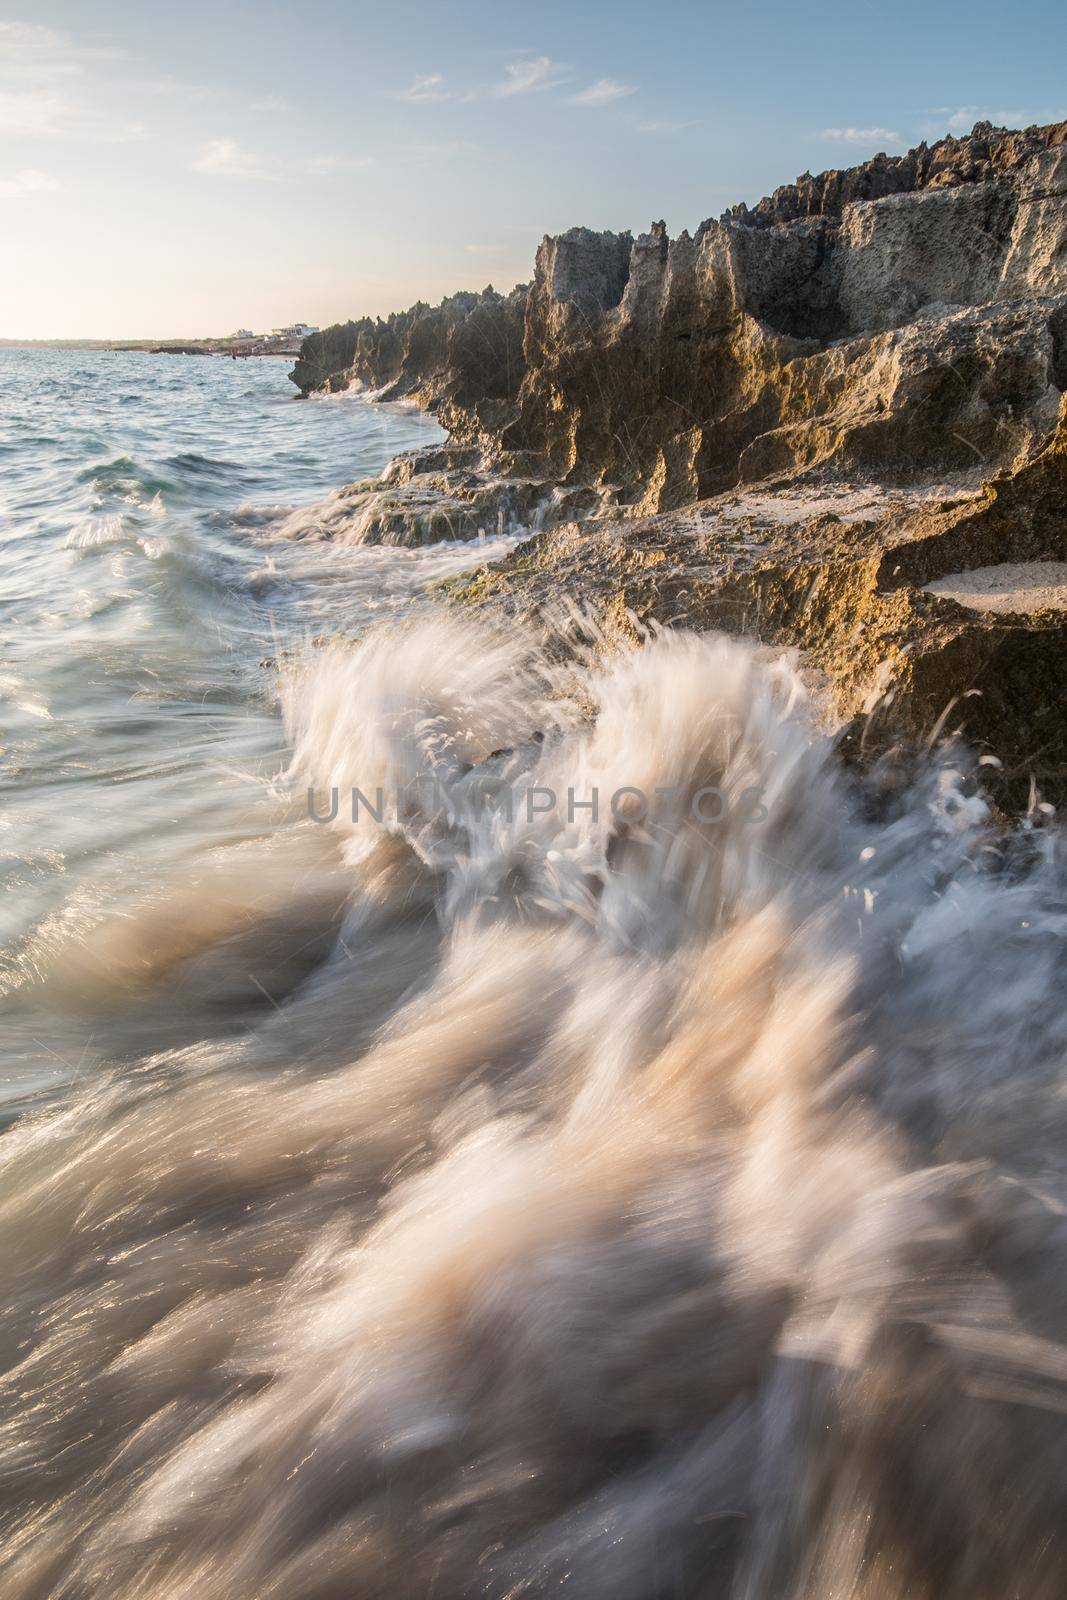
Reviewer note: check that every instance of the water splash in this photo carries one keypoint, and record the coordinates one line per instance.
(654, 1207)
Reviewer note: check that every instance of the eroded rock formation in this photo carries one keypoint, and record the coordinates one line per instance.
(896, 332)
(847, 572)
(462, 359)
(905, 316)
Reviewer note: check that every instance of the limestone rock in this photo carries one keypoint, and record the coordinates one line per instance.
(892, 337)
(664, 370)
(841, 571)
(462, 358)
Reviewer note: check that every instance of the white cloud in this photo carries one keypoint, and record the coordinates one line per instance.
(666, 126)
(435, 150)
(270, 102)
(961, 119)
(39, 68)
(964, 117)
(84, 125)
(32, 111)
(27, 182)
(42, 113)
(29, 36)
(30, 50)
(528, 74)
(531, 75)
(861, 135)
(1021, 119)
(425, 86)
(224, 158)
(323, 165)
(602, 93)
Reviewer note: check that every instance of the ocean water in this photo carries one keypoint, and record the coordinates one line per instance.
(141, 591)
(490, 1195)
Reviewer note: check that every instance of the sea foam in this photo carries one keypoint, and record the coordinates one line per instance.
(647, 1208)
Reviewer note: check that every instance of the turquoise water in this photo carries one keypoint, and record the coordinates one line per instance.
(144, 597)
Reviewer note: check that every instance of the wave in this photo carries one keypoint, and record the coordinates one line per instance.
(125, 477)
(411, 513)
(648, 1201)
(356, 391)
(191, 464)
(180, 475)
(90, 533)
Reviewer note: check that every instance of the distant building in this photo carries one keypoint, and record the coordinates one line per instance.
(295, 330)
(243, 333)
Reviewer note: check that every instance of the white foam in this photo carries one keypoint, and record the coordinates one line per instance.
(628, 1205)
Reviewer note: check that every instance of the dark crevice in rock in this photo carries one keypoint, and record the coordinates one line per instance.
(1058, 331)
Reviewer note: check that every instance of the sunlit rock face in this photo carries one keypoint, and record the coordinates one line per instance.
(907, 315)
(897, 330)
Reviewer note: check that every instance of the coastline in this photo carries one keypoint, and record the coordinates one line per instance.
(177, 347)
(687, 426)
(535, 939)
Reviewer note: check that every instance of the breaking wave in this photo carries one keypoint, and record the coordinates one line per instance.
(123, 476)
(645, 1205)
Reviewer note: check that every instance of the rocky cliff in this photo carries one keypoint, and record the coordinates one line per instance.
(896, 332)
(462, 359)
(902, 316)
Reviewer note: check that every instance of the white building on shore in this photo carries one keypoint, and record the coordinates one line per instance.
(296, 330)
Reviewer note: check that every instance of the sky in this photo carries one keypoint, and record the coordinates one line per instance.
(172, 169)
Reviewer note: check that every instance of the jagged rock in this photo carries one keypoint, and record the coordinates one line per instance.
(842, 571)
(462, 358)
(663, 370)
(901, 325)
(984, 153)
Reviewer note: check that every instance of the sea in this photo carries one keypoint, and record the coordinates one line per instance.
(143, 609)
(487, 1112)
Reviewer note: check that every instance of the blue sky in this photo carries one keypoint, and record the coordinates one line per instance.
(172, 169)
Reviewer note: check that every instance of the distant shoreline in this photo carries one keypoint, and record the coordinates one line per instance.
(155, 347)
